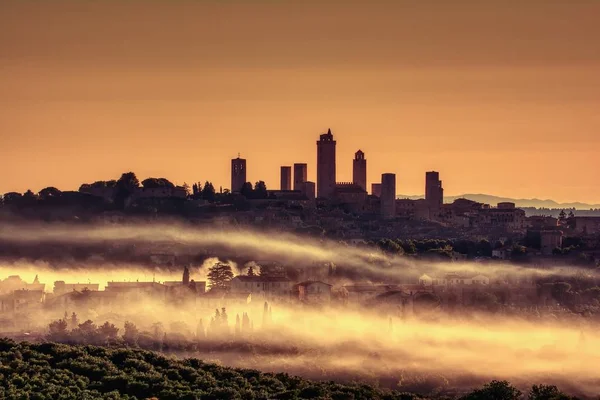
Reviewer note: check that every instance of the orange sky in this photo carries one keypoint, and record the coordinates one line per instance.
(500, 97)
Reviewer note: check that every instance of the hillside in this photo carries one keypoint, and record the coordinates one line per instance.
(59, 371)
(493, 200)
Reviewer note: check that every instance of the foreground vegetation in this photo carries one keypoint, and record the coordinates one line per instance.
(60, 371)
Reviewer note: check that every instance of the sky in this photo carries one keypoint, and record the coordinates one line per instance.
(500, 97)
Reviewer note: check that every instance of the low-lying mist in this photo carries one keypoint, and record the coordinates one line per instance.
(356, 263)
(439, 353)
(434, 353)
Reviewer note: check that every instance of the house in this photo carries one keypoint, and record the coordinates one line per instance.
(267, 287)
(137, 290)
(198, 287)
(425, 280)
(363, 291)
(454, 279)
(60, 287)
(313, 292)
(502, 253)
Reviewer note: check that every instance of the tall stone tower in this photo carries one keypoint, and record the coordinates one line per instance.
(286, 178)
(238, 174)
(300, 175)
(359, 170)
(326, 165)
(434, 193)
(388, 195)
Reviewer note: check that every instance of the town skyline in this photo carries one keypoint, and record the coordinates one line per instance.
(91, 91)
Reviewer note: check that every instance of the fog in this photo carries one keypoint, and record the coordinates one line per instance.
(435, 353)
(289, 249)
(430, 353)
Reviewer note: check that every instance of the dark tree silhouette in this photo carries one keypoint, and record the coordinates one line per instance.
(154, 183)
(260, 190)
(247, 191)
(219, 276)
(11, 198)
(126, 184)
(208, 192)
(49, 192)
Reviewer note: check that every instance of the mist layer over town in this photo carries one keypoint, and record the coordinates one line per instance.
(378, 319)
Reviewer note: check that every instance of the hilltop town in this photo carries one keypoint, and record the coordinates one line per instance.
(346, 211)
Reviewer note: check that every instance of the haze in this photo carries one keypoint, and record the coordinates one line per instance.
(500, 98)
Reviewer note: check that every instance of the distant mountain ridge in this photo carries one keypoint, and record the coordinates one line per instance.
(493, 200)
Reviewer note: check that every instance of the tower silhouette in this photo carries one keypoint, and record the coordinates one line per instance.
(238, 173)
(326, 165)
(359, 170)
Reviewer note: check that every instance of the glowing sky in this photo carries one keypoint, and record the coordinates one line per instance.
(500, 97)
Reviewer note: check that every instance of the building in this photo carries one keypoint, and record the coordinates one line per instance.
(412, 209)
(238, 174)
(313, 292)
(376, 189)
(267, 287)
(505, 216)
(388, 195)
(502, 253)
(586, 225)
(60, 287)
(541, 222)
(300, 175)
(359, 170)
(454, 279)
(434, 193)
(137, 291)
(286, 178)
(550, 240)
(14, 283)
(326, 165)
(350, 194)
(308, 189)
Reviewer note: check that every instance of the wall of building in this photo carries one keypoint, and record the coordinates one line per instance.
(300, 175)
(388, 195)
(286, 178)
(238, 174)
(326, 165)
(359, 170)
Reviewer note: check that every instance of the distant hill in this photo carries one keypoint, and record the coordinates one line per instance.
(493, 200)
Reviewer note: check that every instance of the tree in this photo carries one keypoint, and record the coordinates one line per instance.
(49, 192)
(208, 192)
(58, 330)
(131, 333)
(260, 190)
(247, 191)
(186, 275)
(186, 187)
(74, 321)
(153, 183)
(495, 390)
(484, 248)
(12, 197)
(219, 276)
(126, 184)
(250, 271)
(561, 291)
(108, 330)
(547, 392)
(128, 180)
(85, 332)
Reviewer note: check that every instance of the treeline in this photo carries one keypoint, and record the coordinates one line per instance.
(59, 371)
(444, 248)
